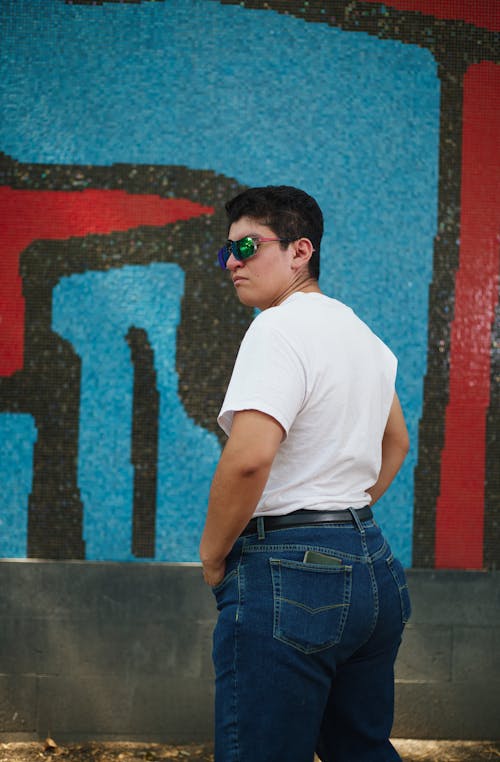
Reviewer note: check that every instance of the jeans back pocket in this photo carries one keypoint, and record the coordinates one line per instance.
(311, 603)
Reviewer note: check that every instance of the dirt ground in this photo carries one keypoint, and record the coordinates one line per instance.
(410, 751)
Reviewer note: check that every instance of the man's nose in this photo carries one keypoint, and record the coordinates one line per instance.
(233, 263)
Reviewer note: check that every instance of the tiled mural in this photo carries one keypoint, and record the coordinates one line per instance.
(125, 127)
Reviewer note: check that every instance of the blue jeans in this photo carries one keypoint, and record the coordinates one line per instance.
(304, 648)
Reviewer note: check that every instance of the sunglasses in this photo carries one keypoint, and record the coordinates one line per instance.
(244, 248)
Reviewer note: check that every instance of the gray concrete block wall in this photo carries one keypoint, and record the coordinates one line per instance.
(97, 650)
(114, 650)
(448, 668)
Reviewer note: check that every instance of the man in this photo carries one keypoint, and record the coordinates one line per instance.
(311, 601)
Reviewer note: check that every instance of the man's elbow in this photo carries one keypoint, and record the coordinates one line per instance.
(398, 437)
(249, 463)
(398, 443)
(256, 467)
(405, 444)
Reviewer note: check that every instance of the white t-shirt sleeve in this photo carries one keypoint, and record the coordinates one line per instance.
(268, 376)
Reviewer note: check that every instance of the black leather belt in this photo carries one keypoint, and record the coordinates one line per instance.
(305, 517)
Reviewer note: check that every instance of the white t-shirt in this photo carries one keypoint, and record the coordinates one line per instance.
(316, 368)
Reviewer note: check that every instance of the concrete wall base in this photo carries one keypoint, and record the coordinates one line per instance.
(118, 651)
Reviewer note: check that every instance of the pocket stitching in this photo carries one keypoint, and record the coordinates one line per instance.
(276, 568)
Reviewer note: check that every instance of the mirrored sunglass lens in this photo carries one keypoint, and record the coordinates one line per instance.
(246, 248)
(242, 249)
(223, 255)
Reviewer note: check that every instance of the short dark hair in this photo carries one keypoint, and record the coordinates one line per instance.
(289, 212)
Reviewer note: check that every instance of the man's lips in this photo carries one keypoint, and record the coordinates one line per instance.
(238, 279)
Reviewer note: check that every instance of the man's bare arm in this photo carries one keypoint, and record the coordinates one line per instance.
(238, 483)
(395, 446)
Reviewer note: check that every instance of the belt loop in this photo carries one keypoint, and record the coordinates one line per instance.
(356, 520)
(261, 532)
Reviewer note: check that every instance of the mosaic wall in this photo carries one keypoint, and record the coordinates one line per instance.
(125, 126)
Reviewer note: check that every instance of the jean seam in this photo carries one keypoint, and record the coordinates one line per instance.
(405, 608)
(376, 605)
(373, 580)
(235, 730)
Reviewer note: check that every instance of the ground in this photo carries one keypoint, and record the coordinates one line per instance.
(410, 750)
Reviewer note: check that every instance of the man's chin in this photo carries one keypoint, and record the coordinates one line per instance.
(245, 299)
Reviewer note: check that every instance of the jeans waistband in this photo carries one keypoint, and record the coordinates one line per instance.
(306, 517)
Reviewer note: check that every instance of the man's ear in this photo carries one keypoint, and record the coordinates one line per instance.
(303, 251)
